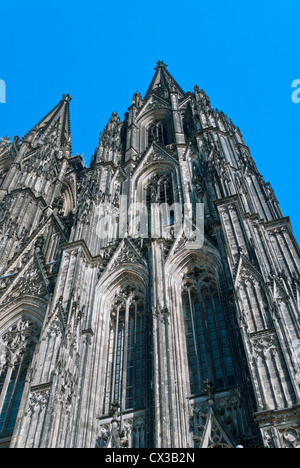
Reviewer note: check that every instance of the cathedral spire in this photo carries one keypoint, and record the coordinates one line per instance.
(55, 125)
(163, 81)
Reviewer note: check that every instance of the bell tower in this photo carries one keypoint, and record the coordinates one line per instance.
(113, 336)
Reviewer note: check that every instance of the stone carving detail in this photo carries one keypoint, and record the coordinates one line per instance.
(58, 204)
(115, 434)
(55, 328)
(104, 433)
(67, 388)
(291, 438)
(30, 283)
(155, 158)
(131, 434)
(268, 437)
(87, 336)
(57, 324)
(4, 143)
(16, 341)
(216, 438)
(198, 182)
(38, 400)
(127, 254)
(162, 314)
(229, 412)
(199, 417)
(265, 345)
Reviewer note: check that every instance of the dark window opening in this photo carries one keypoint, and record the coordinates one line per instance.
(160, 191)
(157, 131)
(12, 398)
(209, 354)
(127, 358)
(20, 341)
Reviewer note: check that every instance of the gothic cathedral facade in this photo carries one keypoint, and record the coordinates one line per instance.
(119, 340)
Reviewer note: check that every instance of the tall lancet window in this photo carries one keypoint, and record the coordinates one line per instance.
(209, 353)
(157, 131)
(125, 379)
(16, 350)
(161, 191)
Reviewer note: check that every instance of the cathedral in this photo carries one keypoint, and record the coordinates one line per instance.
(116, 329)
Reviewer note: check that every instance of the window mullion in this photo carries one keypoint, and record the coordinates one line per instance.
(203, 312)
(125, 355)
(218, 335)
(165, 191)
(5, 386)
(20, 366)
(134, 370)
(115, 354)
(195, 339)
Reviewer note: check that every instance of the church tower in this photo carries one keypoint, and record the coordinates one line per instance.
(116, 330)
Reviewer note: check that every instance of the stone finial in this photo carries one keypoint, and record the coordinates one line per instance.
(209, 391)
(160, 64)
(67, 98)
(114, 410)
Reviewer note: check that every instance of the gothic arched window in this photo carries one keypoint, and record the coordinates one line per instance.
(209, 354)
(125, 379)
(157, 131)
(16, 349)
(161, 191)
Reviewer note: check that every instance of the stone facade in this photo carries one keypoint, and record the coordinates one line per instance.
(123, 341)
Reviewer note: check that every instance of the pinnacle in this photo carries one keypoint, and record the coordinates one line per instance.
(162, 80)
(67, 98)
(160, 64)
(60, 113)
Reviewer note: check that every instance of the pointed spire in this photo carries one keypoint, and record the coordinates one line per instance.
(56, 123)
(163, 81)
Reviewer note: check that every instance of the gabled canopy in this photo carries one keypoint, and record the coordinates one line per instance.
(214, 435)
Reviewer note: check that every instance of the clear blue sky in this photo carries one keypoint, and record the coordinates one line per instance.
(244, 54)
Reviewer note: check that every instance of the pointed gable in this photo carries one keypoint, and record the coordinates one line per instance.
(214, 435)
(163, 83)
(56, 123)
(126, 254)
(30, 280)
(155, 154)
